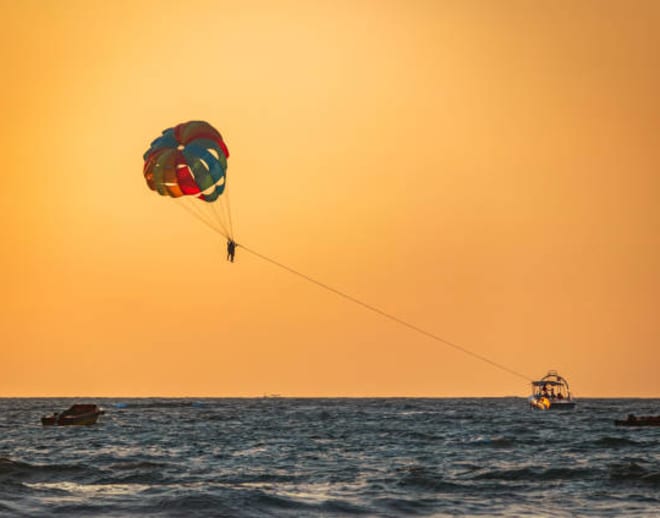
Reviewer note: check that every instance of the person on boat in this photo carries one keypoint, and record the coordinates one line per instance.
(231, 250)
(544, 392)
(552, 393)
(560, 395)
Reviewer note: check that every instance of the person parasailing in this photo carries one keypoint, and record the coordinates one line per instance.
(231, 250)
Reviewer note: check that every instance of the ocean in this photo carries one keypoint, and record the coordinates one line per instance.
(329, 457)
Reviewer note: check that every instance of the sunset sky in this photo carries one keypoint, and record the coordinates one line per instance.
(488, 171)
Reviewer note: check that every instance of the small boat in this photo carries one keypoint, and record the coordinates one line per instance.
(76, 415)
(645, 420)
(551, 392)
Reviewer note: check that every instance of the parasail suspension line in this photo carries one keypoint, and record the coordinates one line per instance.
(216, 226)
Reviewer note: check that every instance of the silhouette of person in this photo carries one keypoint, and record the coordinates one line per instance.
(231, 250)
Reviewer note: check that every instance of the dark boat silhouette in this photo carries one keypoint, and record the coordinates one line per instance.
(645, 420)
(75, 415)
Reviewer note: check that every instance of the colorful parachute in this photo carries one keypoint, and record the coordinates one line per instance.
(189, 162)
(189, 159)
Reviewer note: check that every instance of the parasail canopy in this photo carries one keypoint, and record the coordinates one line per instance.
(189, 159)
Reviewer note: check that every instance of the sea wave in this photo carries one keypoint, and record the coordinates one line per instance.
(633, 471)
(12, 469)
(537, 474)
(615, 442)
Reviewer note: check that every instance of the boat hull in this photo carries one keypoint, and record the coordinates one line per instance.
(76, 415)
(569, 405)
(83, 420)
(548, 404)
(639, 421)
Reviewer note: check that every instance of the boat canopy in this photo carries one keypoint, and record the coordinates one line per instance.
(550, 383)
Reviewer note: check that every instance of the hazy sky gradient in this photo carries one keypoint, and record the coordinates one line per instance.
(486, 170)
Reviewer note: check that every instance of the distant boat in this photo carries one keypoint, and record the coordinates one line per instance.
(551, 392)
(76, 415)
(645, 420)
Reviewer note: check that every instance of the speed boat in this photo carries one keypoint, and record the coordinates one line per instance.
(75, 415)
(551, 392)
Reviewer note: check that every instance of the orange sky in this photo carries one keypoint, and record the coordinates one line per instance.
(486, 170)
